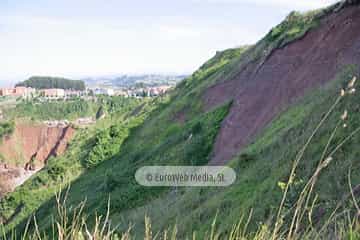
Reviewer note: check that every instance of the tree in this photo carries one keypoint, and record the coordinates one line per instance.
(52, 82)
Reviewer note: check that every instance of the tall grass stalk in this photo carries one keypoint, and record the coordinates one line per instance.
(298, 157)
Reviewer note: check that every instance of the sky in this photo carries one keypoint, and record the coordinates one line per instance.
(80, 38)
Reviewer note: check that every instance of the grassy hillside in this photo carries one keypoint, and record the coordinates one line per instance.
(28, 114)
(70, 110)
(85, 148)
(175, 130)
(162, 139)
(264, 166)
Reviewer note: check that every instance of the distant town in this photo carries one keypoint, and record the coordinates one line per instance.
(96, 88)
(58, 93)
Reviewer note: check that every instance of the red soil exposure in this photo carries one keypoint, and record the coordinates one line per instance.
(30, 146)
(258, 96)
(37, 142)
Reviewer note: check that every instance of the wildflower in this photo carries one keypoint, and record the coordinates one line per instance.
(352, 91)
(345, 125)
(344, 115)
(352, 83)
(282, 185)
(342, 93)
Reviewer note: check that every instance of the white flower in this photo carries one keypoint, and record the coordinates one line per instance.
(342, 93)
(352, 91)
(344, 115)
(352, 83)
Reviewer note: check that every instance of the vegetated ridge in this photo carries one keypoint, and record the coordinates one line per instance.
(40, 82)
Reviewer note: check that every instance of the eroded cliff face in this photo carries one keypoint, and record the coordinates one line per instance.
(27, 150)
(35, 143)
(259, 94)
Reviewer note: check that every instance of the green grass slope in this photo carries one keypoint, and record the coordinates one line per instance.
(265, 165)
(88, 144)
(175, 130)
(155, 137)
(70, 109)
(261, 168)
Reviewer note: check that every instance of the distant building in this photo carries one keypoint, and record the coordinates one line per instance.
(85, 121)
(104, 91)
(17, 92)
(6, 92)
(24, 91)
(53, 93)
(74, 93)
(121, 93)
(156, 91)
(139, 92)
(164, 89)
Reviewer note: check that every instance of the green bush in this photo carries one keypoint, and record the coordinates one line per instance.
(107, 143)
(6, 128)
(72, 109)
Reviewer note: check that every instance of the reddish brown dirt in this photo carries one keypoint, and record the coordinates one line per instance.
(37, 142)
(285, 76)
(61, 146)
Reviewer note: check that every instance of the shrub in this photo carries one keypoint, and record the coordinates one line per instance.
(6, 128)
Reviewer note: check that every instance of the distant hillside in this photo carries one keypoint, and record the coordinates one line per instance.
(128, 81)
(52, 82)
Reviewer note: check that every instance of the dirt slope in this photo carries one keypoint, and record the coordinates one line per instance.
(27, 150)
(259, 94)
(37, 142)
